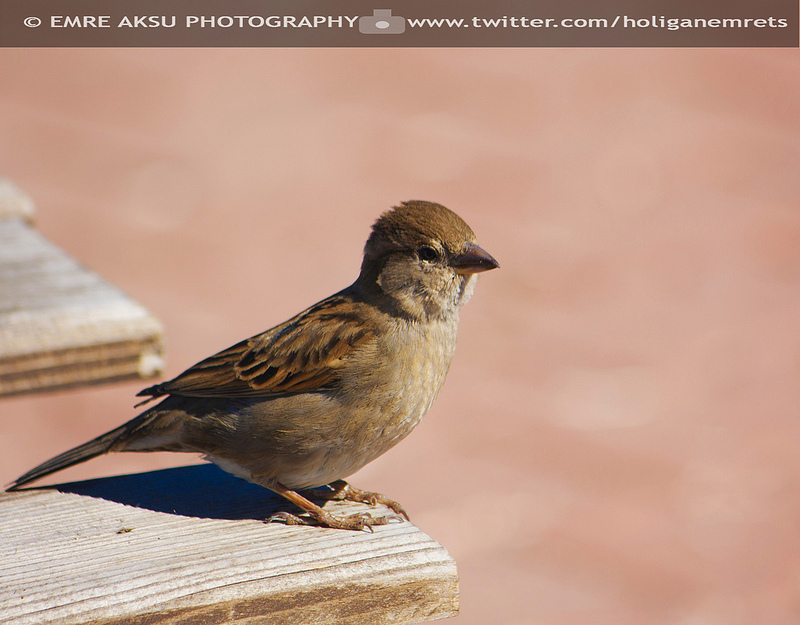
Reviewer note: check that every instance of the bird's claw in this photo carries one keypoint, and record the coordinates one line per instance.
(288, 518)
(342, 491)
(351, 493)
(356, 522)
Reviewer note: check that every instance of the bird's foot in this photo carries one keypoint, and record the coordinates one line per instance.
(342, 491)
(357, 522)
(315, 515)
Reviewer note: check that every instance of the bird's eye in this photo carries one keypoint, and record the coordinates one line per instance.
(427, 253)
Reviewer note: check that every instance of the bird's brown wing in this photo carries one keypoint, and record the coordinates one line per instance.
(300, 355)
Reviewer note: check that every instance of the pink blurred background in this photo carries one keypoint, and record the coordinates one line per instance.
(618, 438)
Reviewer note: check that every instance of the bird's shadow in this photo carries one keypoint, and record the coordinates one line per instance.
(202, 490)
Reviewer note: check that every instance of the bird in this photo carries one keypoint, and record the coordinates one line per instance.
(300, 407)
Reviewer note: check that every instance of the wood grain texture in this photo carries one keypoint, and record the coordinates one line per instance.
(188, 545)
(60, 324)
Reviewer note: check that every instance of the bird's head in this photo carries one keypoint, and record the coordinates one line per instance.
(424, 258)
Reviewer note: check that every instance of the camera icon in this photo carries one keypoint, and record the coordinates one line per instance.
(382, 22)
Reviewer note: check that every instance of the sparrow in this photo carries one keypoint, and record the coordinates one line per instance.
(307, 403)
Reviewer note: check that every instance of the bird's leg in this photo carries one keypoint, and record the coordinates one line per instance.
(318, 516)
(342, 491)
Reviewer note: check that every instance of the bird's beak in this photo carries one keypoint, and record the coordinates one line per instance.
(474, 259)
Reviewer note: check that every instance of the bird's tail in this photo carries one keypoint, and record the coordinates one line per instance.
(110, 441)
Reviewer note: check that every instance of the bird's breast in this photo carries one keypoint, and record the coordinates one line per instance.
(393, 387)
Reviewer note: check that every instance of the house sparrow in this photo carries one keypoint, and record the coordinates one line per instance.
(314, 399)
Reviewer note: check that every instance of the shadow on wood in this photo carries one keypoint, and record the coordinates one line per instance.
(202, 490)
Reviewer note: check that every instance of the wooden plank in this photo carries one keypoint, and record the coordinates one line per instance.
(60, 324)
(189, 545)
(14, 203)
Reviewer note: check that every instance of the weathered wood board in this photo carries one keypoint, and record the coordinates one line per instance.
(60, 324)
(188, 545)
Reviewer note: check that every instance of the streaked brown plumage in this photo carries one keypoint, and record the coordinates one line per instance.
(314, 399)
